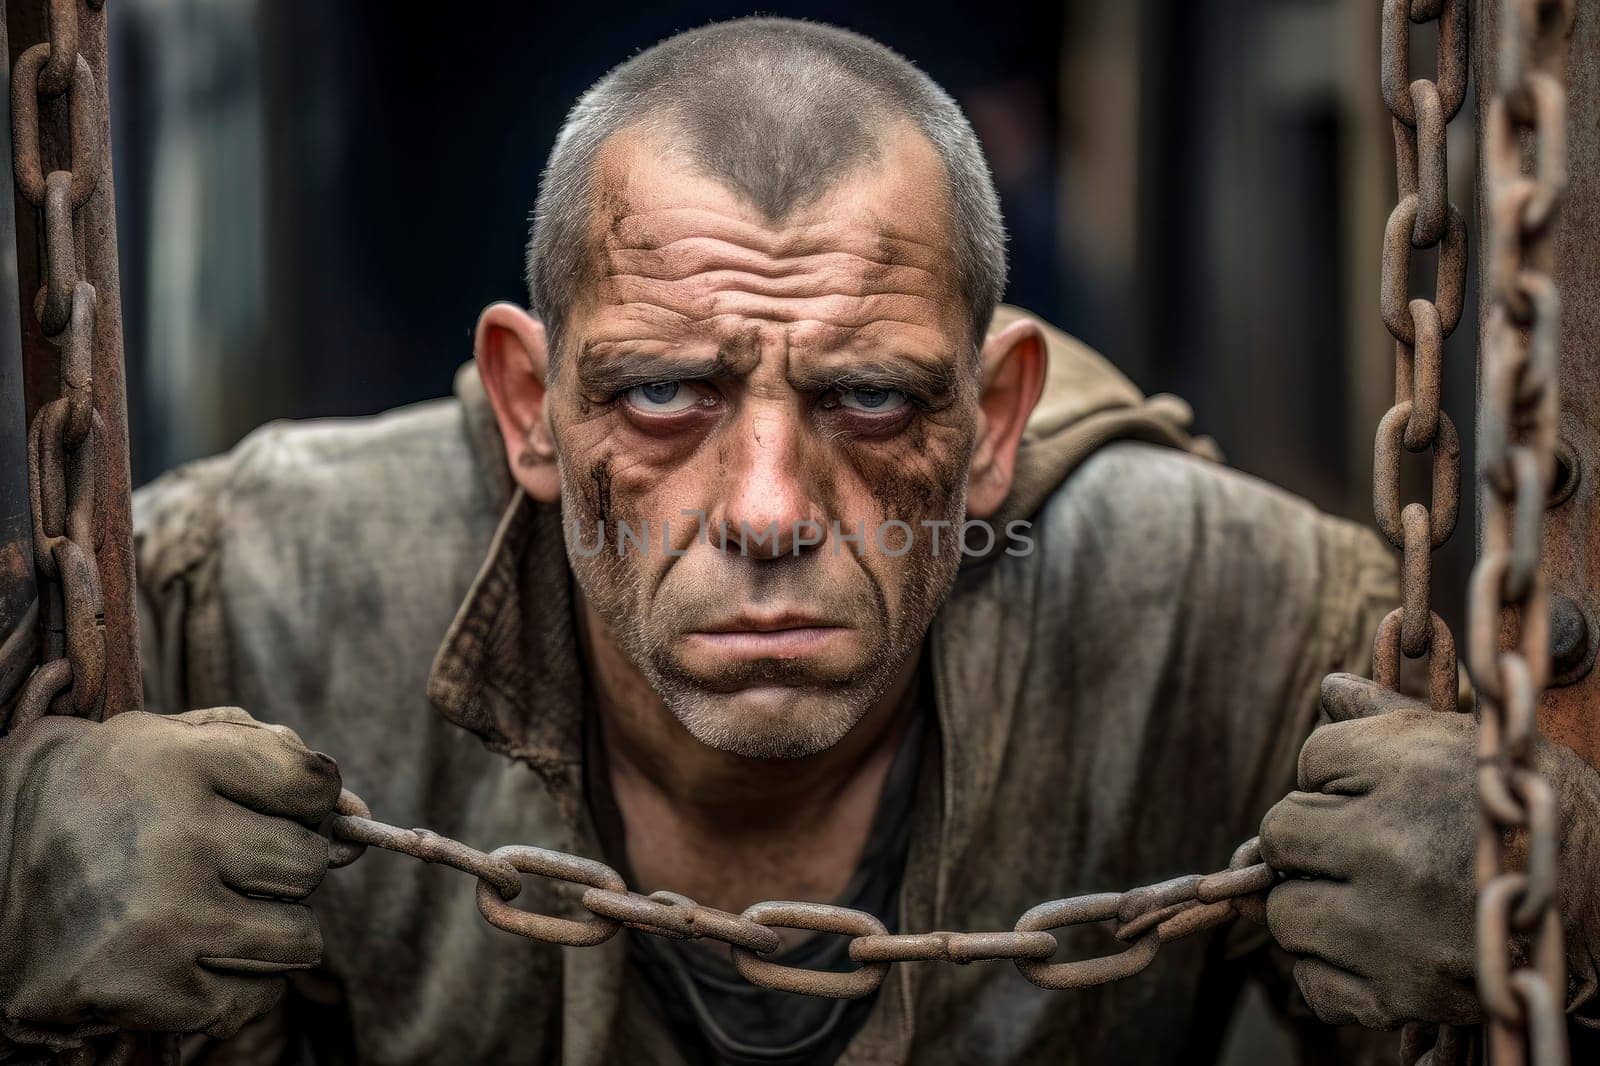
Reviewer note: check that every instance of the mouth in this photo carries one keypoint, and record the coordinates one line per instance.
(773, 636)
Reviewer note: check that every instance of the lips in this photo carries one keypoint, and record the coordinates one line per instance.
(767, 623)
(771, 636)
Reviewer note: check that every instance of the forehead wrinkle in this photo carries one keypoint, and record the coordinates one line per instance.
(708, 257)
(615, 338)
(697, 301)
(632, 320)
(888, 335)
(615, 324)
(708, 285)
(872, 239)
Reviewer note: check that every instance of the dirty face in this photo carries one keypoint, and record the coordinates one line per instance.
(763, 431)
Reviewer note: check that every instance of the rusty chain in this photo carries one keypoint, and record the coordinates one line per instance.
(1145, 917)
(1523, 991)
(65, 434)
(1149, 916)
(1423, 218)
(1516, 442)
(62, 469)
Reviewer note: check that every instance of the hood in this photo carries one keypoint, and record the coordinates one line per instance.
(1087, 402)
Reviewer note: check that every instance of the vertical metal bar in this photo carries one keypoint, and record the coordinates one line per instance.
(25, 24)
(1570, 709)
(19, 592)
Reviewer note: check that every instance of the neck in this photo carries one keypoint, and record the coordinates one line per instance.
(692, 813)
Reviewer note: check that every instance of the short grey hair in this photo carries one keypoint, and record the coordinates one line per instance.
(778, 110)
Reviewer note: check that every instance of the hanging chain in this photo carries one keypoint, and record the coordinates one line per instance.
(1517, 444)
(1145, 917)
(63, 482)
(65, 434)
(1524, 993)
(1422, 218)
(65, 438)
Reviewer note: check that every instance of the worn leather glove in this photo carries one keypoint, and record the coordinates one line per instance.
(152, 868)
(1379, 847)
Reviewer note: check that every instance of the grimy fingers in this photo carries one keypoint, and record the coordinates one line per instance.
(1347, 697)
(1320, 919)
(1339, 997)
(1312, 834)
(260, 855)
(267, 771)
(266, 937)
(233, 1000)
(1336, 758)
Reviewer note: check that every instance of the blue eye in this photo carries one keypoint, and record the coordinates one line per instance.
(662, 397)
(872, 400)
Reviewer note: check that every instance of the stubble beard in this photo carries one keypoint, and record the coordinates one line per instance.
(815, 713)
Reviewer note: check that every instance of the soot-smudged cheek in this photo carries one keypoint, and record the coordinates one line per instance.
(620, 487)
(913, 475)
(586, 492)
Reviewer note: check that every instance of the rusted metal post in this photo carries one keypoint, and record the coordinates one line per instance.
(1570, 709)
(60, 316)
(96, 233)
(19, 592)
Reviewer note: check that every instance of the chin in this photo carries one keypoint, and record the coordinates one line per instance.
(769, 722)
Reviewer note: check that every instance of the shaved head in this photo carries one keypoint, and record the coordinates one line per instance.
(779, 111)
(764, 255)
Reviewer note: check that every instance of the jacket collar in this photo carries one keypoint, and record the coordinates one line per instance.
(509, 671)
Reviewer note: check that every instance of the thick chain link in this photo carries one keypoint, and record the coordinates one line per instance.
(1517, 439)
(1423, 218)
(64, 438)
(1145, 918)
(1523, 992)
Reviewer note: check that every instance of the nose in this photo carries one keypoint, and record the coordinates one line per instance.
(769, 511)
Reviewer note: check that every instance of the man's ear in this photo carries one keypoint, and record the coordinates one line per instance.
(513, 356)
(1014, 364)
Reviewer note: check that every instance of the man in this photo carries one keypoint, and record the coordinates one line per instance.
(711, 530)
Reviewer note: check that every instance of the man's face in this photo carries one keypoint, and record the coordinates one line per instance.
(738, 394)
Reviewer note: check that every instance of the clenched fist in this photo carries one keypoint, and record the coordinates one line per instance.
(153, 868)
(1378, 845)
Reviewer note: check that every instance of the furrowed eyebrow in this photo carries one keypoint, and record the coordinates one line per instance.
(611, 371)
(616, 373)
(935, 384)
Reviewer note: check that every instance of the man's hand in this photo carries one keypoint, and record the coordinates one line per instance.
(1379, 846)
(152, 868)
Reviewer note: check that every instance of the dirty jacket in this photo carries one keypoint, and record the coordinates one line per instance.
(1120, 706)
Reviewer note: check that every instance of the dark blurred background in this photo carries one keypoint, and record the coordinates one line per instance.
(314, 201)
